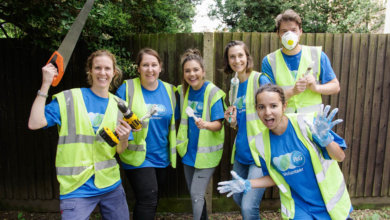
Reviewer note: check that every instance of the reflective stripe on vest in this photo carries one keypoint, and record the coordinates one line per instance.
(285, 211)
(136, 151)
(184, 121)
(325, 166)
(337, 195)
(307, 101)
(314, 57)
(251, 117)
(72, 138)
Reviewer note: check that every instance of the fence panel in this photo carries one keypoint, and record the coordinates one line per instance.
(360, 62)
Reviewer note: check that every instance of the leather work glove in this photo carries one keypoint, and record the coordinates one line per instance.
(236, 185)
(322, 125)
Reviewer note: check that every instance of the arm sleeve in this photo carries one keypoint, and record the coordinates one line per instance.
(267, 71)
(217, 111)
(52, 113)
(336, 139)
(264, 167)
(121, 92)
(327, 74)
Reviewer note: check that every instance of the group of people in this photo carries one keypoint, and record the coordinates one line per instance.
(297, 152)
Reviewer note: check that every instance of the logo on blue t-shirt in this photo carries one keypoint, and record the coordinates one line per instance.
(289, 161)
(197, 107)
(240, 103)
(161, 110)
(96, 119)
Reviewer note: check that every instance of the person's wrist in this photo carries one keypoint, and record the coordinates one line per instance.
(247, 185)
(42, 94)
(328, 140)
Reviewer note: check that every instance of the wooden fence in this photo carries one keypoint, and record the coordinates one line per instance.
(360, 61)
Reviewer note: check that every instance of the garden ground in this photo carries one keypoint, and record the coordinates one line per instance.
(365, 214)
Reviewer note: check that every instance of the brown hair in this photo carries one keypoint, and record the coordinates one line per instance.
(150, 52)
(288, 15)
(116, 80)
(190, 54)
(271, 88)
(249, 62)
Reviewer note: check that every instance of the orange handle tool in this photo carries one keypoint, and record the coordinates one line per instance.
(58, 61)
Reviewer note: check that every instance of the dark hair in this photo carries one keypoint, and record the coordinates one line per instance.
(249, 62)
(288, 15)
(271, 88)
(188, 55)
(150, 52)
(116, 80)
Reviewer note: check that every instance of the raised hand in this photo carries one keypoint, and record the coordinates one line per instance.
(323, 124)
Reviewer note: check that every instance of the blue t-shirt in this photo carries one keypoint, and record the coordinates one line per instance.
(195, 101)
(157, 144)
(292, 160)
(96, 108)
(243, 154)
(326, 73)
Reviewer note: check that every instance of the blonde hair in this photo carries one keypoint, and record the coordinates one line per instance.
(117, 78)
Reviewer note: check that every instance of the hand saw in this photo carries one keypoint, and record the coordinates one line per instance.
(60, 57)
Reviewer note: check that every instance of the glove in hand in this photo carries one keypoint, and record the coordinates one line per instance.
(322, 125)
(236, 185)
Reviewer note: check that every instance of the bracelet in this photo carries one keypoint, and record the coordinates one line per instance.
(42, 94)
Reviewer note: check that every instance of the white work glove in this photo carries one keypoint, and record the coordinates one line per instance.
(322, 126)
(237, 185)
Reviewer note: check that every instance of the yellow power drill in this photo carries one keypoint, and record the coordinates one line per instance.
(111, 137)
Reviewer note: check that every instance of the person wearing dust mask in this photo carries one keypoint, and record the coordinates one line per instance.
(304, 72)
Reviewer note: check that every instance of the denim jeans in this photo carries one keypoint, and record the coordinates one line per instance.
(113, 205)
(249, 202)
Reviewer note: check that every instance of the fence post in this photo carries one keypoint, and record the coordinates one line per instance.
(209, 59)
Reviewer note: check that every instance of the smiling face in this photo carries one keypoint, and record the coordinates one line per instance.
(237, 59)
(193, 74)
(270, 109)
(149, 70)
(102, 72)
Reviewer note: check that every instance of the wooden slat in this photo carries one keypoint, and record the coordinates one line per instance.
(274, 42)
(328, 50)
(386, 87)
(265, 45)
(255, 51)
(378, 119)
(336, 63)
(350, 103)
(355, 145)
(237, 36)
(374, 119)
(153, 41)
(310, 39)
(364, 149)
(246, 38)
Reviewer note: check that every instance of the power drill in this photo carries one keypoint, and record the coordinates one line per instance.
(111, 137)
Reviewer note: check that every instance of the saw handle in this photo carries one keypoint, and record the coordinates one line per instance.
(58, 61)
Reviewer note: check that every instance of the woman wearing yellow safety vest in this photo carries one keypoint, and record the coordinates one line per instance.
(299, 154)
(154, 146)
(201, 133)
(87, 170)
(242, 116)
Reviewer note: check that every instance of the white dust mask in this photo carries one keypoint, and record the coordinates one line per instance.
(289, 40)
